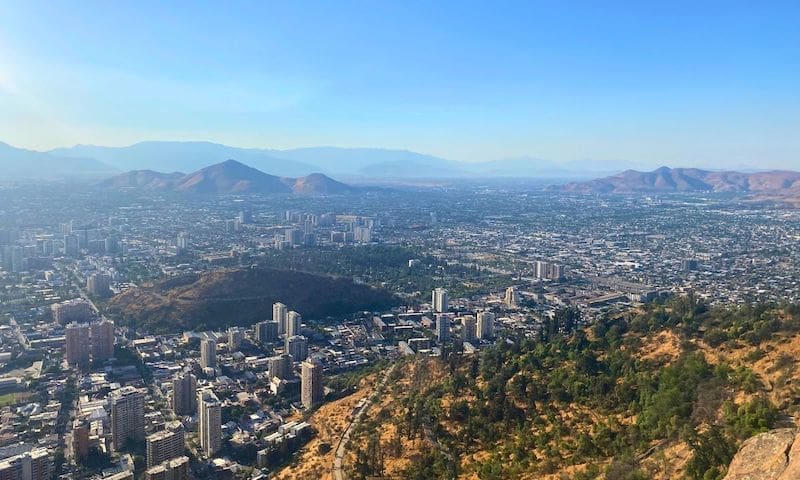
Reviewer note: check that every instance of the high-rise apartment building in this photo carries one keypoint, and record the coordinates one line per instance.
(297, 347)
(280, 366)
(127, 416)
(174, 469)
(165, 445)
(102, 338)
(77, 346)
(208, 353)
(266, 331)
(293, 323)
(77, 310)
(184, 394)
(279, 313)
(442, 328)
(512, 297)
(439, 300)
(35, 464)
(485, 325)
(98, 284)
(468, 328)
(235, 337)
(311, 390)
(209, 412)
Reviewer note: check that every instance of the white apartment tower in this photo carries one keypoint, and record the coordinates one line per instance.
(209, 413)
(279, 313)
(439, 300)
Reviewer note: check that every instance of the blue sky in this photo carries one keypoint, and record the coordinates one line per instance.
(713, 84)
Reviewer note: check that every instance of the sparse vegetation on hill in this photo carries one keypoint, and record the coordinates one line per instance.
(637, 397)
(222, 298)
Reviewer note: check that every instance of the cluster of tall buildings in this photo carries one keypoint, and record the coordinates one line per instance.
(88, 342)
(548, 271)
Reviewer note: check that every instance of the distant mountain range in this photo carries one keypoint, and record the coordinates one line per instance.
(228, 177)
(360, 163)
(353, 163)
(667, 179)
(20, 163)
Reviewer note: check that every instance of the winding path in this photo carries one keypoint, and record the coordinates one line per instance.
(341, 449)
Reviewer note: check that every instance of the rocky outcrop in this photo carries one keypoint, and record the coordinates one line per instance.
(774, 455)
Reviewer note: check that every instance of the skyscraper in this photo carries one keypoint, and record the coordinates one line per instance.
(279, 313)
(293, 324)
(439, 300)
(208, 353)
(77, 345)
(165, 445)
(485, 325)
(311, 391)
(127, 416)
(209, 412)
(184, 394)
(442, 328)
(297, 347)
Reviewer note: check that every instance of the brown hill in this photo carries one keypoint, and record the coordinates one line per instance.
(228, 177)
(231, 176)
(227, 297)
(317, 184)
(667, 179)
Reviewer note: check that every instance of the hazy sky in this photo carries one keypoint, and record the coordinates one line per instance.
(706, 83)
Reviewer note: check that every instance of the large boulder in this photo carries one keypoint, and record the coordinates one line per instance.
(774, 455)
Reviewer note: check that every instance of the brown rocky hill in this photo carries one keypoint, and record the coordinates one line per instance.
(231, 176)
(667, 179)
(222, 298)
(228, 177)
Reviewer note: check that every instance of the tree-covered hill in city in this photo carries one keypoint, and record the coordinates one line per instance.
(668, 392)
(222, 298)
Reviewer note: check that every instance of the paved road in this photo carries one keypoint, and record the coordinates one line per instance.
(338, 473)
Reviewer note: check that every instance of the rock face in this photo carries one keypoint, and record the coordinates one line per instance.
(774, 455)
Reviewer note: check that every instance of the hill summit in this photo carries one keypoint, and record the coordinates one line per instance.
(228, 177)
